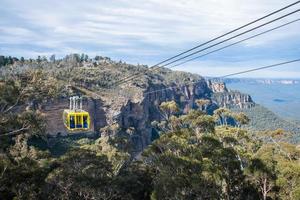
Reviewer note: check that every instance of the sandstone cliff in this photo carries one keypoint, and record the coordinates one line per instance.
(136, 111)
(130, 107)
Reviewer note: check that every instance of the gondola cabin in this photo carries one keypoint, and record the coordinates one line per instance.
(76, 119)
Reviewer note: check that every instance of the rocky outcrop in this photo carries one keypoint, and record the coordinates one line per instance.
(233, 100)
(139, 113)
(136, 112)
(228, 98)
(217, 87)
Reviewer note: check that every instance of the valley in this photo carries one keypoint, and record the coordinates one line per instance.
(143, 100)
(150, 138)
(280, 96)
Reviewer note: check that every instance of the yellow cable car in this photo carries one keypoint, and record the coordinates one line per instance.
(76, 119)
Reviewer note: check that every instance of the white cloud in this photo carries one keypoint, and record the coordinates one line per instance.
(165, 21)
(130, 27)
(212, 68)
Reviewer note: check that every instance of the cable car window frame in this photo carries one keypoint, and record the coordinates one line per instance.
(72, 116)
(85, 123)
(78, 121)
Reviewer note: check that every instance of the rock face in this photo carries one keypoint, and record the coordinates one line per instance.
(217, 87)
(229, 99)
(137, 113)
(233, 100)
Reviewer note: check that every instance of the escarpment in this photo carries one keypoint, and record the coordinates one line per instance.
(128, 108)
(136, 111)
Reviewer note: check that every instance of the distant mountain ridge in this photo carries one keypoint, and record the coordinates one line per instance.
(281, 96)
(262, 81)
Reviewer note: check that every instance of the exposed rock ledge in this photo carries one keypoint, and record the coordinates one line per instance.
(137, 113)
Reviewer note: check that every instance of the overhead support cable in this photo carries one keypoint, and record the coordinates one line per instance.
(243, 33)
(212, 40)
(228, 75)
(235, 43)
(259, 68)
(216, 44)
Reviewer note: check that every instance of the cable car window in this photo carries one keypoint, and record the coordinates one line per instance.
(72, 121)
(78, 121)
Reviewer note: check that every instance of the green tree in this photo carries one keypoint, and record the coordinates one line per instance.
(135, 181)
(23, 179)
(202, 104)
(241, 119)
(39, 59)
(263, 171)
(222, 115)
(26, 92)
(52, 58)
(178, 167)
(169, 108)
(289, 179)
(212, 160)
(198, 121)
(81, 174)
(2, 61)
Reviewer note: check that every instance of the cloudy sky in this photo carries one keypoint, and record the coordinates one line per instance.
(148, 31)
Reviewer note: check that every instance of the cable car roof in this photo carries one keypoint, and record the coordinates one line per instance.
(75, 111)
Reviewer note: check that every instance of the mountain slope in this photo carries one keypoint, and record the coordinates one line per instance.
(130, 107)
(133, 105)
(262, 119)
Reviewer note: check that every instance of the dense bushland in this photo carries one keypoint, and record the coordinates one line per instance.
(195, 156)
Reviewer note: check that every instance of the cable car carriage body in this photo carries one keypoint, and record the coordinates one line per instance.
(75, 118)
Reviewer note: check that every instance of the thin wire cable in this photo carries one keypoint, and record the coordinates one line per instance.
(221, 42)
(214, 39)
(250, 30)
(239, 28)
(260, 68)
(228, 75)
(277, 110)
(238, 42)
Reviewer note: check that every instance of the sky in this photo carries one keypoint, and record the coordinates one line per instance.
(149, 31)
